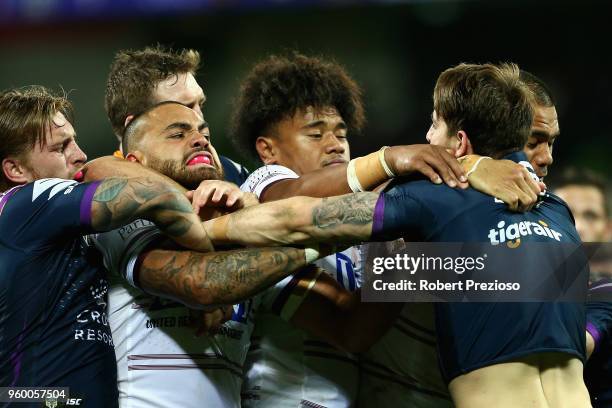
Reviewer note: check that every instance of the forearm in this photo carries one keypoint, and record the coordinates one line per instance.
(204, 279)
(298, 220)
(313, 184)
(118, 201)
(110, 166)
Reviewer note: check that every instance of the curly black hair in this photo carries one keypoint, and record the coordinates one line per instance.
(279, 86)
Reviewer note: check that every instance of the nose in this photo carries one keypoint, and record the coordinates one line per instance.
(334, 144)
(198, 140)
(428, 135)
(543, 157)
(78, 156)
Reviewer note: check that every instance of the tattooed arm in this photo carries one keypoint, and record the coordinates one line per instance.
(117, 201)
(298, 220)
(204, 279)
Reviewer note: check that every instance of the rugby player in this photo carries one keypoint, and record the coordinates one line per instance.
(395, 374)
(160, 362)
(140, 78)
(585, 194)
(53, 289)
(544, 371)
(286, 365)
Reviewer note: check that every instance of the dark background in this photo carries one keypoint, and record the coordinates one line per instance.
(395, 50)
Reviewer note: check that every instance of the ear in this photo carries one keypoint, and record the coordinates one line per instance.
(15, 171)
(136, 157)
(266, 149)
(128, 119)
(464, 146)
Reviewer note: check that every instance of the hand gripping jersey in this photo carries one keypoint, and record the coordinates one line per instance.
(474, 335)
(160, 361)
(285, 366)
(54, 330)
(598, 371)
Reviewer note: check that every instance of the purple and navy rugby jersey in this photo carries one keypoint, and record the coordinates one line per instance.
(598, 371)
(475, 335)
(53, 293)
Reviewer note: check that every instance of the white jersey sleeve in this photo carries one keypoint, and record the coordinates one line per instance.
(265, 176)
(121, 247)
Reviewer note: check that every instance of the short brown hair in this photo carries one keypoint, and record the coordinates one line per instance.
(134, 75)
(278, 86)
(26, 115)
(489, 102)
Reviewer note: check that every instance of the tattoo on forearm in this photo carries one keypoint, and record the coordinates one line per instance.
(219, 277)
(120, 200)
(353, 209)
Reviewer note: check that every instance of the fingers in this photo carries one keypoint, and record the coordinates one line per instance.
(444, 165)
(217, 194)
(209, 322)
(454, 166)
(526, 195)
(534, 185)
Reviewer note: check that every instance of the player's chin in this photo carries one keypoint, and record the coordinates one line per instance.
(204, 172)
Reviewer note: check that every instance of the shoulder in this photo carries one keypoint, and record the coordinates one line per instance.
(233, 171)
(555, 203)
(265, 176)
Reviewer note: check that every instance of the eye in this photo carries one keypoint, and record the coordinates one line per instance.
(315, 135)
(176, 136)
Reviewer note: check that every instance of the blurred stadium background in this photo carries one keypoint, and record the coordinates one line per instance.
(395, 49)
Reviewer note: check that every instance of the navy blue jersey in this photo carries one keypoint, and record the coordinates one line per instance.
(53, 292)
(233, 172)
(598, 371)
(474, 335)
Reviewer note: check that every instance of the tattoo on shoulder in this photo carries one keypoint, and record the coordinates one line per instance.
(109, 189)
(354, 209)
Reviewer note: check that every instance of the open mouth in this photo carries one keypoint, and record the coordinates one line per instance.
(200, 158)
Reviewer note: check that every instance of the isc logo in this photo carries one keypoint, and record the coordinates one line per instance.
(73, 401)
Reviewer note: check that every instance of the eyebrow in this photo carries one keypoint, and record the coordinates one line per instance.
(317, 123)
(185, 126)
(64, 139)
(540, 134)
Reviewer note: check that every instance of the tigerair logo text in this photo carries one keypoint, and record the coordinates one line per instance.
(512, 233)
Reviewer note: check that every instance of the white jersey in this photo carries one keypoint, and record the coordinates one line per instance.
(161, 363)
(285, 366)
(401, 369)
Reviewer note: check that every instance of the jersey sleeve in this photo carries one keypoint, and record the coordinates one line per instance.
(400, 212)
(599, 311)
(41, 213)
(121, 247)
(265, 176)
